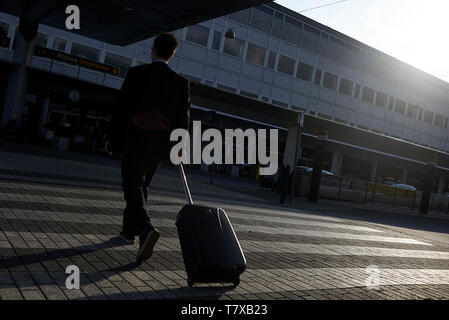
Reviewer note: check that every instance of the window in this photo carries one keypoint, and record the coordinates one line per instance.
(346, 86)
(262, 19)
(439, 121)
(286, 65)
(292, 30)
(226, 88)
(400, 106)
(4, 28)
(446, 120)
(59, 44)
(198, 34)
(305, 71)
(412, 110)
(310, 38)
(271, 59)
(350, 56)
(428, 116)
(318, 76)
(357, 91)
(217, 40)
(249, 94)
(323, 43)
(279, 103)
(368, 95)
(391, 103)
(41, 40)
(277, 24)
(241, 16)
(256, 54)
(85, 52)
(420, 114)
(234, 47)
(330, 81)
(118, 61)
(334, 48)
(381, 99)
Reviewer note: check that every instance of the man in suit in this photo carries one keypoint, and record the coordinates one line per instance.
(153, 101)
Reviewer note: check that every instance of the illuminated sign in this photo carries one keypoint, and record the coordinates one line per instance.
(67, 58)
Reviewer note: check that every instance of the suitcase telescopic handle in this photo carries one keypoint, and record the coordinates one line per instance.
(185, 184)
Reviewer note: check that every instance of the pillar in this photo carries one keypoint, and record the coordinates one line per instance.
(404, 175)
(17, 84)
(337, 160)
(441, 183)
(44, 114)
(373, 172)
(317, 167)
(427, 185)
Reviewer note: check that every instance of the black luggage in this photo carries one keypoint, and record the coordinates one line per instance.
(210, 248)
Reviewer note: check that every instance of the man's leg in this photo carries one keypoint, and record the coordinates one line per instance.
(151, 170)
(149, 234)
(135, 217)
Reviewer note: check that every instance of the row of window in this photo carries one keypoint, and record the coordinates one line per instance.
(380, 99)
(301, 34)
(256, 54)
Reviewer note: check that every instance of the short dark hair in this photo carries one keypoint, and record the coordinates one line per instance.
(165, 45)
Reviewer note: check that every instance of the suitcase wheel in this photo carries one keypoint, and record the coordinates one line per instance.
(236, 282)
(190, 282)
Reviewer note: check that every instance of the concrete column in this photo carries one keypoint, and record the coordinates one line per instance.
(427, 185)
(441, 183)
(373, 172)
(17, 83)
(337, 160)
(315, 181)
(44, 114)
(404, 175)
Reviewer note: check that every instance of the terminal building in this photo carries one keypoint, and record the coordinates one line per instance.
(386, 119)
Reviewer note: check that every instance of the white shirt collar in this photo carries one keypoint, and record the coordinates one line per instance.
(159, 60)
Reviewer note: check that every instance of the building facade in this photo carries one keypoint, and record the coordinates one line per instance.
(279, 57)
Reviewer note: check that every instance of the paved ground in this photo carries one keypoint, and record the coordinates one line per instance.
(57, 212)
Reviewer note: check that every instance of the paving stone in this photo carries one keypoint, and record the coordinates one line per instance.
(9, 293)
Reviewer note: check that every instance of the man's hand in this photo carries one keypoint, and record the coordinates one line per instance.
(108, 147)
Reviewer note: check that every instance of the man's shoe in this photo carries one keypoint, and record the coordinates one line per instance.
(129, 239)
(147, 240)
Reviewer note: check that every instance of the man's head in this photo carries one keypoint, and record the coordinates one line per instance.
(164, 47)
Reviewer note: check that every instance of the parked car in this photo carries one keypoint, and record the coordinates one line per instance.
(310, 170)
(404, 186)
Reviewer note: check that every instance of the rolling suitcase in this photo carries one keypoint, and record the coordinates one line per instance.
(210, 248)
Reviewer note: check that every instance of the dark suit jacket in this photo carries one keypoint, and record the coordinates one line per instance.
(148, 88)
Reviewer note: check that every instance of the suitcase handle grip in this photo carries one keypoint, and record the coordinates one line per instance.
(185, 185)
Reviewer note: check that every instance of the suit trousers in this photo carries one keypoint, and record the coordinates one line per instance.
(144, 151)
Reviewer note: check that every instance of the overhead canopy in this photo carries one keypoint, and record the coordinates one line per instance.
(124, 22)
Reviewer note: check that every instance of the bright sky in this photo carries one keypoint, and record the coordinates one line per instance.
(413, 31)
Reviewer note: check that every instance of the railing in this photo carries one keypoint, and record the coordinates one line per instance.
(363, 191)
